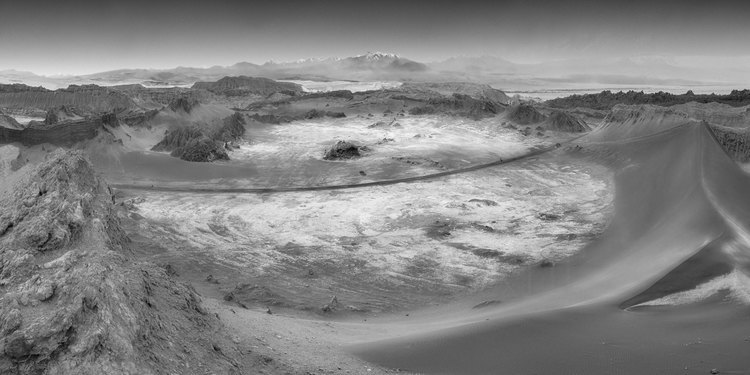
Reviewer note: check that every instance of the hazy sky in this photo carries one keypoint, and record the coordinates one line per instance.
(74, 37)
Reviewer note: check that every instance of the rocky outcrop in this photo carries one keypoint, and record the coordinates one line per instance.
(201, 149)
(736, 142)
(63, 113)
(193, 143)
(565, 122)
(185, 103)
(525, 114)
(75, 301)
(342, 150)
(315, 114)
(232, 128)
(244, 85)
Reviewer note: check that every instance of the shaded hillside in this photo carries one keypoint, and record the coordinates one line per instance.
(565, 122)
(75, 300)
(525, 114)
(608, 99)
(203, 144)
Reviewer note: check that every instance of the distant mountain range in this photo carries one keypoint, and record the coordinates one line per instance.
(374, 66)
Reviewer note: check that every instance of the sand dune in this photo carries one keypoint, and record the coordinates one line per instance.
(680, 229)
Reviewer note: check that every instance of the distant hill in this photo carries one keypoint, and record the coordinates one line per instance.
(243, 85)
(645, 71)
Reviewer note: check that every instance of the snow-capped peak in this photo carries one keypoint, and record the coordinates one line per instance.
(377, 56)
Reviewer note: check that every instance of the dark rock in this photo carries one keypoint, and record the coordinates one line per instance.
(201, 149)
(548, 217)
(110, 119)
(546, 263)
(566, 237)
(315, 114)
(232, 128)
(342, 150)
(385, 140)
(487, 303)
(331, 306)
(485, 202)
(178, 137)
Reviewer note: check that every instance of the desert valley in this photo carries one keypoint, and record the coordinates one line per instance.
(586, 212)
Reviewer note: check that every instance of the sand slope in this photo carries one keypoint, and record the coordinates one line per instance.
(681, 220)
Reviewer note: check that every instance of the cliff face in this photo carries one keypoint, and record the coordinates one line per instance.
(65, 134)
(73, 299)
(88, 98)
(243, 85)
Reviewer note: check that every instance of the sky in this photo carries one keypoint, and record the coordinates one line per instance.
(83, 36)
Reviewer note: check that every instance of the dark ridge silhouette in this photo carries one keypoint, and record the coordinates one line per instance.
(607, 99)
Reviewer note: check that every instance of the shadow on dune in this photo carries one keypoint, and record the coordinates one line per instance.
(682, 213)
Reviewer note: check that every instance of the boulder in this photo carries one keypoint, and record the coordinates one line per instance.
(342, 150)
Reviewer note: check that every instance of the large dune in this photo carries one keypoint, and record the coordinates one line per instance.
(678, 240)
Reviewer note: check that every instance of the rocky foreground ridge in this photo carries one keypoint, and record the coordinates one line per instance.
(73, 298)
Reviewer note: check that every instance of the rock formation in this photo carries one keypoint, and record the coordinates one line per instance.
(184, 103)
(75, 300)
(231, 129)
(194, 143)
(178, 137)
(62, 113)
(201, 149)
(342, 150)
(565, 122)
